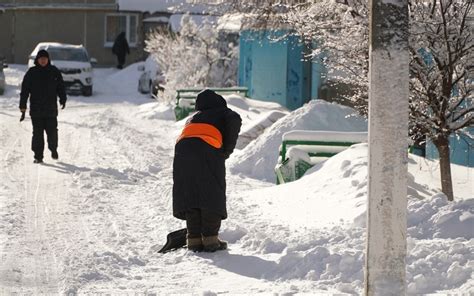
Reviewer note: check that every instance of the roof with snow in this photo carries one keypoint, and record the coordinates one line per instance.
(152, 6)
(56, 44)
(175, 20)
(58, 6)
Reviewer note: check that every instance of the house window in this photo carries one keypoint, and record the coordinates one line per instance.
(116, 23)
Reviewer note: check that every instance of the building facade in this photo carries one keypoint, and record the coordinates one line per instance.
(92, 23)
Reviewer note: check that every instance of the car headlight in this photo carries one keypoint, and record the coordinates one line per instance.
(87, 70)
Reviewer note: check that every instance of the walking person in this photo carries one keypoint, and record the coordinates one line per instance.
(42, 85)
(199, 188)
(120, 49)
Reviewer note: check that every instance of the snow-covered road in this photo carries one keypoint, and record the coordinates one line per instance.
(92, 221)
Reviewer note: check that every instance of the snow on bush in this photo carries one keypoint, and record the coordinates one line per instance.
(259, 158)
(197, 56)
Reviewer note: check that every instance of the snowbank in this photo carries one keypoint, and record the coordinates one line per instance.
(259, 158)
(156, 110)
(125, 81)
(328, 206)
(256, 116)
(254, 128)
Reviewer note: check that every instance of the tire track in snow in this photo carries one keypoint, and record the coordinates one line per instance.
(25, 269)
(33, 262)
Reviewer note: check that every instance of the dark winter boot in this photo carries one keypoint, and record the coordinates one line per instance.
(194, 244)
(54, 154)
(213, 243)
(38, 160)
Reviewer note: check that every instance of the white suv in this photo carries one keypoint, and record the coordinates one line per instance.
(74, 63)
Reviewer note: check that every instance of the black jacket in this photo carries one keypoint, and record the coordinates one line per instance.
(199, 168)
(120, 46)
(42, 85)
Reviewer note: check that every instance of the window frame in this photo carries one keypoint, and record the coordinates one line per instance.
(109, 44)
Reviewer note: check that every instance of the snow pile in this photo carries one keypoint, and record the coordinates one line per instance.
(252, 129)
(441, 219)
(256, 116)
(315, 226)
(125, 81)
(307, 202)
(259, 158)
(440, 245)
(156, 110)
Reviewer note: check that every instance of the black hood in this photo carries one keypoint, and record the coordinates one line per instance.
(121, 36)
(42, 53)
(208, 99)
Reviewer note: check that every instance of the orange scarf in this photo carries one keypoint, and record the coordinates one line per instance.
(208, 133)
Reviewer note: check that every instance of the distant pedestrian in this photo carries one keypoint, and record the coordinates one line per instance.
(199, 189)
(120, 49)
(43, 84)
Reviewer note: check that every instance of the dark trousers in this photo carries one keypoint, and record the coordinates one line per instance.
(40, 125)
(120, 61)
(201, 222)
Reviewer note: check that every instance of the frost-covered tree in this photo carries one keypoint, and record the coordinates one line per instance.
(442, 103)
(339, 31)
(197, 56)
(441, 48)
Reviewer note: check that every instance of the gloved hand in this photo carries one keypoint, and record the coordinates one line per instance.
(22, 116)
(63, 105)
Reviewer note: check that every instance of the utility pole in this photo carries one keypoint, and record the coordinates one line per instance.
(388, 148)
(13, 35)
(84, 37)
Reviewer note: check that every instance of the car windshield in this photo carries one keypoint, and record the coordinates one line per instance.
(68, 54)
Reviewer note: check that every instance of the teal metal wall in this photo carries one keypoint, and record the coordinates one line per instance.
(275, 71)
(462, 149)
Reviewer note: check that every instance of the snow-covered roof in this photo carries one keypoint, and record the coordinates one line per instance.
(175, 20)
(58, 6)
(230, 22)
(57, 44)
(157, 19)
(151, 6)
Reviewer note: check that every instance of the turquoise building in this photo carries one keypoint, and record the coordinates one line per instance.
(462, 149)
(277, 71)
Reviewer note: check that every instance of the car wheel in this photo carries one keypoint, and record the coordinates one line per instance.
(87, 91)
(153, 90)
(150, 86)
(141, 87)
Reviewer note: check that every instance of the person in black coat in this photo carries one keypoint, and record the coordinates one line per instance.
(120, 49)
(43, 84)
(199, 188)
